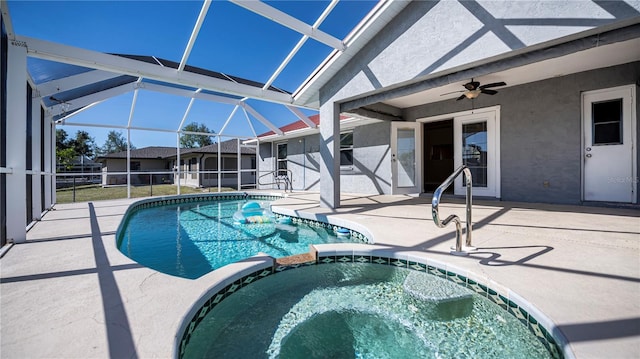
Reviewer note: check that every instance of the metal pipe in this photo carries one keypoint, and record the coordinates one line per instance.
(435, 202)
(286, 178)
(468, 205)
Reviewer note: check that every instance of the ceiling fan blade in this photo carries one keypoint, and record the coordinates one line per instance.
(489, 92)
(471, 85)
(461, 97)
(495, 84)
(449, 93)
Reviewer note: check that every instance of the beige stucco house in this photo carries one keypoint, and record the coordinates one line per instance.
(198, 167)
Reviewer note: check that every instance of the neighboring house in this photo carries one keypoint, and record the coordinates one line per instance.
(561, 129)
(198, 166)
(81, 165)
(147, 159)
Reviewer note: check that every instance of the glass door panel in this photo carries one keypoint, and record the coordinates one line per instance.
(406, 158)
(474, 152)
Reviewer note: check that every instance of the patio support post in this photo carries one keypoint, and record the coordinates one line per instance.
(49, 160)
(239, 164)
(330, 155)
(128, 163)
(36, 145)
(16, 215)
(219, 160)
(177, 181)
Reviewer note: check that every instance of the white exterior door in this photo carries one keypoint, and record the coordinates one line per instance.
(608, 123)
(476, 144)
(406, 158)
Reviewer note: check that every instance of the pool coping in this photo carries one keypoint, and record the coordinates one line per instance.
(357, 231)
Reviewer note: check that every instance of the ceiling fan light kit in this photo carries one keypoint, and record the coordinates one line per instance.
(472, 94)
(473, 90)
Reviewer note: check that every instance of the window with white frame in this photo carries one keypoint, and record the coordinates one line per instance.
(346, 148)
(281, 156)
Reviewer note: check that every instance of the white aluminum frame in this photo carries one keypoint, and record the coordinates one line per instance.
(194, 34)
(291, 22)
(100, 61)
(301, 42)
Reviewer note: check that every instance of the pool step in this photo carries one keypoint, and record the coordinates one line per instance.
(438, 298)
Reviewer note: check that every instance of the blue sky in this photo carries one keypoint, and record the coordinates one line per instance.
(232, 40)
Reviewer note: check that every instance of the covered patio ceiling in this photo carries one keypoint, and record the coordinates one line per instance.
(588, 50)
(604, 56)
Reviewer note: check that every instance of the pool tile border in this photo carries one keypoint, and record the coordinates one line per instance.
(217, 298)
(190, 198)
(208, 197)
(419, 264)
(318, 224)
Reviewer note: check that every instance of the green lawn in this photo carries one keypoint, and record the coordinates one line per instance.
(98, 193)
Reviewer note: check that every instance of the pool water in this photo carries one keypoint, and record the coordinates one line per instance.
(355, 310)
(192, 239)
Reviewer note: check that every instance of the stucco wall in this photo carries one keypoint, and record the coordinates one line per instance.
(371, 172)
(265, 162)
(429, 37)
(302, 160)
(540, 131)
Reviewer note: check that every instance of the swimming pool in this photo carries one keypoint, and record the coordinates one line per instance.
(191, 236)
(362, 310)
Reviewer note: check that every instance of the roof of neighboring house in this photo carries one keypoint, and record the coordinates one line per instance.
(229, 146)
(158, 152)
(152, 152)
(298, 125)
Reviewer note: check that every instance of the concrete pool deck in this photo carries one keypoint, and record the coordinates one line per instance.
(69, 293)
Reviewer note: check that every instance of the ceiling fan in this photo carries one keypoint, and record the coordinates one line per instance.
(473, 89)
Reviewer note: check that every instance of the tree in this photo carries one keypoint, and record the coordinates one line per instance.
(67, 150)
(115, 142)
(61, 139)
(83, 144)
(189, 140)
(65, 157)
(64, 153)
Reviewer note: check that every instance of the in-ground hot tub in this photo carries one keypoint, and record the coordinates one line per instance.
(363, 306)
